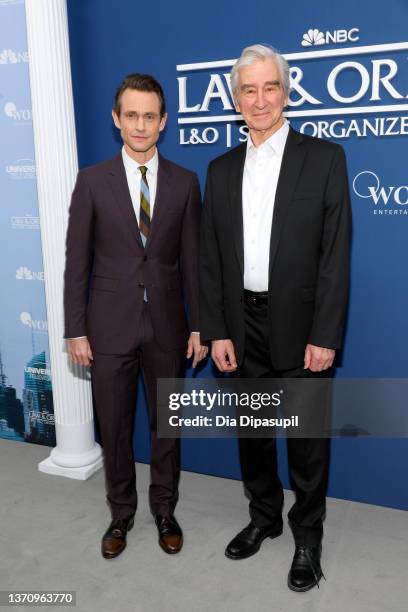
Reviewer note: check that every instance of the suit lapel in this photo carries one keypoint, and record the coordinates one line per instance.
(118, 182)
(235, 189)
(292, 162)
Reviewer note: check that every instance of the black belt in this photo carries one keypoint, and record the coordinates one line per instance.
(256, 297)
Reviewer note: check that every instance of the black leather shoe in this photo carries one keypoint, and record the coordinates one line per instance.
(114, 539)
(170, 534)
(249, 540)
(305, 571)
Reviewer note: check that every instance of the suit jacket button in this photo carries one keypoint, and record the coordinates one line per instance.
(144, 257)
(141, 285)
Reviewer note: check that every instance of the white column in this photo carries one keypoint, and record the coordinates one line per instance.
(76, 455)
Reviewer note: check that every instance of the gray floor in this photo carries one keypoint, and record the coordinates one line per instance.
(50, 539)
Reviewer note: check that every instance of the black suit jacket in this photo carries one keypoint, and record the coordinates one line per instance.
(308, 257)
(108, 269)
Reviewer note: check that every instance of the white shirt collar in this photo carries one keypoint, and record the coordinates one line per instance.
(276, 142)
(131, 165)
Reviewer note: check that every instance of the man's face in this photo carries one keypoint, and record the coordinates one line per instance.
(139, 120)
(260, 97)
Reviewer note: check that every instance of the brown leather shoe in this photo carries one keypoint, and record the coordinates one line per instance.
(114, 539)
(170, 534)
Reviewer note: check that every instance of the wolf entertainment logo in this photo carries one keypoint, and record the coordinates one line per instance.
(36, 325)
(387, 200)
(22, 115)
(314, 37)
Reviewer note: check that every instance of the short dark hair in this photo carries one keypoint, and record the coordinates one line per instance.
(140, 82)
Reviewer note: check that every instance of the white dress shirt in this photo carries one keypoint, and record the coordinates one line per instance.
(134, 176)
(261, 173)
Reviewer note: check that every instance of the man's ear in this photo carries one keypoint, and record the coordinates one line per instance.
(163, 121)
(236, 104)
(116, 119)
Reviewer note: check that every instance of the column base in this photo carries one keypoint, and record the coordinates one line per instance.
(48, 466)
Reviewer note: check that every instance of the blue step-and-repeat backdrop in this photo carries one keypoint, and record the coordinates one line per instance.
(26, 401)
(349, 74)
(350, 84)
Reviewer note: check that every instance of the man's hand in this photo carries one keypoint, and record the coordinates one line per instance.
(80, 351)
(223, 353)
(195, 347)
(317, 358)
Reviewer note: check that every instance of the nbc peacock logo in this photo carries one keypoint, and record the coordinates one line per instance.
(313, 37)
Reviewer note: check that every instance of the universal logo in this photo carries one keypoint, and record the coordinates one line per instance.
(21, 169)
(9, 2)
(387, 199)
(44, 417)
(24, 273)
(314, 37)
(28, 222)
(34, 324)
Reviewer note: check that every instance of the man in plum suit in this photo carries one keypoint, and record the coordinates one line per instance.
(131, 261)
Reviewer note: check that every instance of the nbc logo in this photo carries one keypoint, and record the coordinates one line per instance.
(23, 273)
(314, 37)
(8, 56)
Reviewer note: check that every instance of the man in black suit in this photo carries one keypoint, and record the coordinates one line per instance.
(132, 254)
(275, 240)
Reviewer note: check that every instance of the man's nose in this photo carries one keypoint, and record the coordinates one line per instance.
(140, 124)
(260, 98)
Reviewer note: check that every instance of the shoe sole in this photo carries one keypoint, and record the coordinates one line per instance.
(114, 555)
(254, 551)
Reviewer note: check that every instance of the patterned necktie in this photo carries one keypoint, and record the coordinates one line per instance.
(144, 219)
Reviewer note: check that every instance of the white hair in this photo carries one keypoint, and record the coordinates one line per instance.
(260, 52)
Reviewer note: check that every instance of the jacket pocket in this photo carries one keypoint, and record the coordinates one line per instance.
(308, 294)
(306, 195)
(102, 283)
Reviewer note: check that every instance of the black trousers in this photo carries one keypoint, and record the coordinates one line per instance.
(308, 458)
(114, 384)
